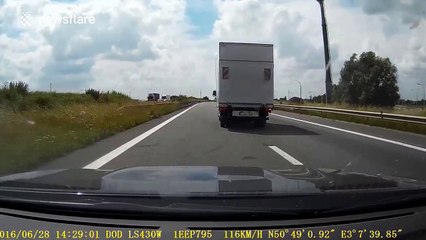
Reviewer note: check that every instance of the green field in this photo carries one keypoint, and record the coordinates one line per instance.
(39, 127)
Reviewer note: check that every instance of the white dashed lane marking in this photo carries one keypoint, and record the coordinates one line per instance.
(285, 155)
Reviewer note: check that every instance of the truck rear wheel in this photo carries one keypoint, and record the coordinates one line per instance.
(223, 123)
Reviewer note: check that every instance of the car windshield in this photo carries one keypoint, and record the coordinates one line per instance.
(207, 97)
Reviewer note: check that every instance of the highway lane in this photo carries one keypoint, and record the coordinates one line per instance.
(195, 138)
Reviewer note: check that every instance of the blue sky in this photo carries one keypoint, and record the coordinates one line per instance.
(350, 3)
(201, 14)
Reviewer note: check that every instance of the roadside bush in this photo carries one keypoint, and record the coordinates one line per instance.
(183, 98)
(94, 93)
(104, 98)
(26, 105)
(2, 95)
(21, 88)
(44, 102)
(116, 97)
(71, 98)
(12, 94)
(107, 97)
(152, 114)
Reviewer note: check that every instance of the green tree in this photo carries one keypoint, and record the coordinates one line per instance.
(368, 80)
(338, 95)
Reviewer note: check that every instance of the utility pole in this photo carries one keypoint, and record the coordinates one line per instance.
(328, 81)
(50, 87)
(424, 93)
(300, 90)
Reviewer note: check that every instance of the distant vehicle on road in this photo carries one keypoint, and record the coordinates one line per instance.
(295, 100)
(153, 97)
(246, 82)
(165, 98)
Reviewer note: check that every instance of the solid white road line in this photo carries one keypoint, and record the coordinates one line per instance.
(285, 155)
(355, 133)
(116, 152)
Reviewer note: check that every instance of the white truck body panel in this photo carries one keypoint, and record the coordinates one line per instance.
(245, 83)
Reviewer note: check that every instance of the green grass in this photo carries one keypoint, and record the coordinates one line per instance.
(33, 137)
(398, 109)
(37, 127)
(46, 100)
(408, 127)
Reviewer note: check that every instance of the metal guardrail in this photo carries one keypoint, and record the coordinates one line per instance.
(152, 103)
(377, 115)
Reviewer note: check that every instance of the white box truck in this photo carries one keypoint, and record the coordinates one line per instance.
(245, 82)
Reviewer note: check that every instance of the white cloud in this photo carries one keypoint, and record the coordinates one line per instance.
(143, 46)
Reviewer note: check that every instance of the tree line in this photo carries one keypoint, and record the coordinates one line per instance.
(367, 79)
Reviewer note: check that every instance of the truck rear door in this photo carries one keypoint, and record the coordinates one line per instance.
(246, 73)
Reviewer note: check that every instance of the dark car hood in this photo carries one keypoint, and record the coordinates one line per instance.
(179, 180)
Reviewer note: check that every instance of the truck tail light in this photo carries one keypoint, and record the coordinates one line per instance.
(225, 72)
(223, 109)
(267, 74)
(269, 110)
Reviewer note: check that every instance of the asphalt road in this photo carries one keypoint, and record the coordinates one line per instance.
(193, 137)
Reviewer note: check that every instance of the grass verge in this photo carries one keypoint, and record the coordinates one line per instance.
(398, 109)
(29, 139)
(408, 127)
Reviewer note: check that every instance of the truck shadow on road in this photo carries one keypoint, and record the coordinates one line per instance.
(270, 129)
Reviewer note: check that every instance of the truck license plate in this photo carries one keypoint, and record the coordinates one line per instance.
(245, 114)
